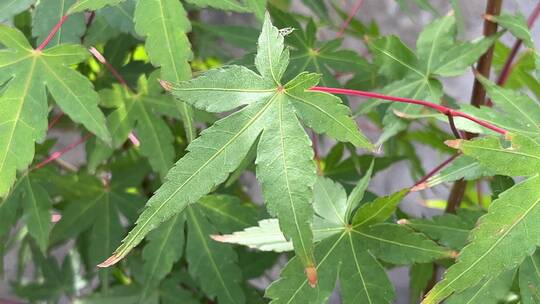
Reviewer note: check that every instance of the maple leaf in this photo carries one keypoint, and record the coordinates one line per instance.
(47, 15)
(492, 290)
(57, 279)
(514, 111)
(509, 216)
(164, 23)
(309, 55)
(502, 240)
(529, 279)
(90, 5)
(29, 75)
(242, 6)
(98, 209)
(137, 111)
(463, 167)
(438, 54)
(30, 197)
(9, 9)
(285, 166)
(347, 249)
(451, 230)
(209, 262)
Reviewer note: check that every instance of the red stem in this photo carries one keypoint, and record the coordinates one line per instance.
(60, 153)
(99, 57)
(517, 45)
(420, 185)
(55, 120)
(441, 109)
(53, 32)
(353, 13)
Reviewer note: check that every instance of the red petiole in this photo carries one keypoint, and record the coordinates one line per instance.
(441, 109)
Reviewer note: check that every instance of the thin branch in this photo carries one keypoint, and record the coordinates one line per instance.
(484, 63)
(89, 22)
(421, 184)
(456, 196)
(439, 108)
(60, 153)
(505, 72)
(453, 126)
(55, 120)
(99, 57)
(478, 97)
(346, 23)
(53, 32)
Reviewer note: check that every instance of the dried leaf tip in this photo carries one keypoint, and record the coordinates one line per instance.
(454, 143)
(219, 238)
(99, 57)
(488, 17)
(110, 261)
(311, 273)
(403, 222)
(419, 187)
(165, 85)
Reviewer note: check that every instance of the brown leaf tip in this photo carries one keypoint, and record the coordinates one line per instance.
(454, 254)
(311, 273)
(454, 143)
(97, 55)
(110, 261)
(219, 238)
(166, 85)
(420, 187)
(403, 222)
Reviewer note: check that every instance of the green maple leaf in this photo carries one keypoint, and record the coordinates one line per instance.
(97, 210)
(529, 279)
(164, 248)
(505, 236)
(241, 6)
(30, 197)
(48, 13)
(29, 74)
(492, 290)
(284, 157)
(347, 249)
(415, 75)
(164, 23)
(213, 264)
(519, 157)
(137, 112)
(514, 111)
(307, 54)
(91, 5)
(517, 25)
(463, 167)
(56, 280)
(210, 263)
(8, 9)
(450, 230)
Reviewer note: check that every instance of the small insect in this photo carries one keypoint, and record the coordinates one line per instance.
(286, 31)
